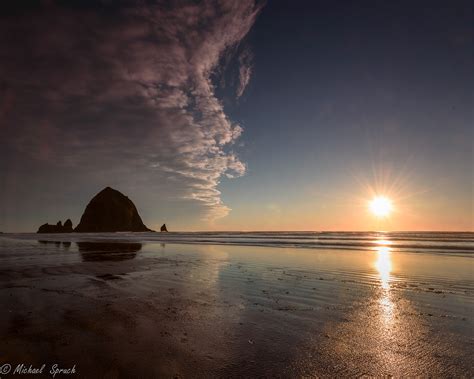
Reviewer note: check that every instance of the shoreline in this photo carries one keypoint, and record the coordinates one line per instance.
(461, 244)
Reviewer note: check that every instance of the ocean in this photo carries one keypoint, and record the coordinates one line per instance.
(420, 242)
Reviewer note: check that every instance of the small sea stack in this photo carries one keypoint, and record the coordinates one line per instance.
(58, 228)
(67, 227)
(163, 228)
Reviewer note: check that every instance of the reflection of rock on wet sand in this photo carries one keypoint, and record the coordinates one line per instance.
(108, 251)
(65, 244)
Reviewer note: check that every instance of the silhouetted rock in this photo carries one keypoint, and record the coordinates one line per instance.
(58, 228)
(46, 228)
(110, 211)
(68, 226)
(163, 228)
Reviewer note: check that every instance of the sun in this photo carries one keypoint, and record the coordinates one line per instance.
(381, 206)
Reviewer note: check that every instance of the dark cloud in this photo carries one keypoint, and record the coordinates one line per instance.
(107, 87)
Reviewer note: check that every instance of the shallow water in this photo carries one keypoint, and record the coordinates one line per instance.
(142, 307)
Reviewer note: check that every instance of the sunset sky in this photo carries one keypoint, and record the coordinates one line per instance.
(236, 115)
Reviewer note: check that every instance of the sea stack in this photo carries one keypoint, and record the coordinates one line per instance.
(163, 228)
(58, 228)
(67, 227)
(111, 211)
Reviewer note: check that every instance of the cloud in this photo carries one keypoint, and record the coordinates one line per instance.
(105, 87)
(245, 71)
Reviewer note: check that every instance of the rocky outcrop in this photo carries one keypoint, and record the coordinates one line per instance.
(110, 211)
(163, 228)
(58, 228)
(46, 228)
(68, 226)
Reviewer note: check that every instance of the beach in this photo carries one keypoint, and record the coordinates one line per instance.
(244, 305)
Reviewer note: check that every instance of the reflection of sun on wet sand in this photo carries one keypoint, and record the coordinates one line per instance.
(383, 265)
(147, 309)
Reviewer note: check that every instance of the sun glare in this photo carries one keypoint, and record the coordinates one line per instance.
(381, 206)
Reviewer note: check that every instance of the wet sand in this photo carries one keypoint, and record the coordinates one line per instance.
(120, 310)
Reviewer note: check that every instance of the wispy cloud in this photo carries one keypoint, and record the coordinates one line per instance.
(128, 86)
(245, 71)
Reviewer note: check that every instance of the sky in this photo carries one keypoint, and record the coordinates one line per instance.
(248, 115)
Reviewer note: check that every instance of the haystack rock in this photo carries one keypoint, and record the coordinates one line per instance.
(110, 211)
(163, 228)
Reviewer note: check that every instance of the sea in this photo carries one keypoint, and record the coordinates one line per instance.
(457, 243)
